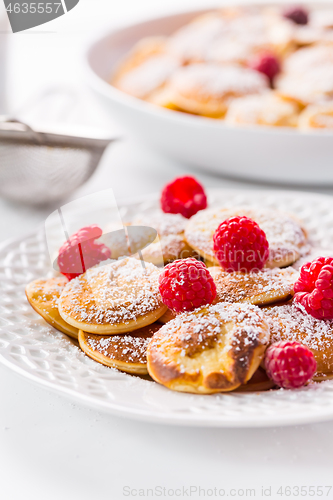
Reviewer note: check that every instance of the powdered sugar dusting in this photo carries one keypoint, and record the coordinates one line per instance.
(314, 87)
(198, 326)
(308, 74)
(268, 109)
(290, 322)
(269, 283)
(213, 81)
(127, 348)
(149, 76)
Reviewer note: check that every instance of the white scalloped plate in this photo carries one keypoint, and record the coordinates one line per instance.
(38, 352)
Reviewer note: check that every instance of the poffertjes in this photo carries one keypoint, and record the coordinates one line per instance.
(213, 349)
(126, 352)
(257, 288)
(208, 89)
(115, 298)
(43, 296)
(290, 322)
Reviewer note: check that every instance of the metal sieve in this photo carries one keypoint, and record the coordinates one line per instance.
(40, 167)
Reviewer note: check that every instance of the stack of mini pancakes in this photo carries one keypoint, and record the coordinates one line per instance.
(116, 313)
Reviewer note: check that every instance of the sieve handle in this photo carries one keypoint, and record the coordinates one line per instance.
(13, 125)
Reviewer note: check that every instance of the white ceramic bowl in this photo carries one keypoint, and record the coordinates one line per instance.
(260, 153)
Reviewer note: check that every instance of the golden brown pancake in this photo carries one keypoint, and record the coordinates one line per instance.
(214, 349)
(126, 352)
(265, 287)
(245, 36)
(318, 116)
(207, 89)
(289, 322)
(43, 296)
(286, 237)
(115, 298)
(307, 75)
(259, 288)
(146, 68)
(265, 109)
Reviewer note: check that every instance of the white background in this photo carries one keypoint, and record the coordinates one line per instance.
(51, 449)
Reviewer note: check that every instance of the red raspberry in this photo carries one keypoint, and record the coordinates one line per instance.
(183, 196)
(297, 14)
(314, 288)
(186, 284)
(81, 252)
(240, 245)
(290, 364)
(266, 63)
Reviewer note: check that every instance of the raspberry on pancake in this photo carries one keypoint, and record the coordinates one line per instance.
(285, 234)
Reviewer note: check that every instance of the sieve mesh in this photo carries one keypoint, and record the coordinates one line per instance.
(38, 167)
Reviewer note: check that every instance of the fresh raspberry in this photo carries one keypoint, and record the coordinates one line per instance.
(297, 14)
(314, 288)
(265, 63)
(290, 364)
(183, 196)
(186, 284)
(81, 252)
(240, 245)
